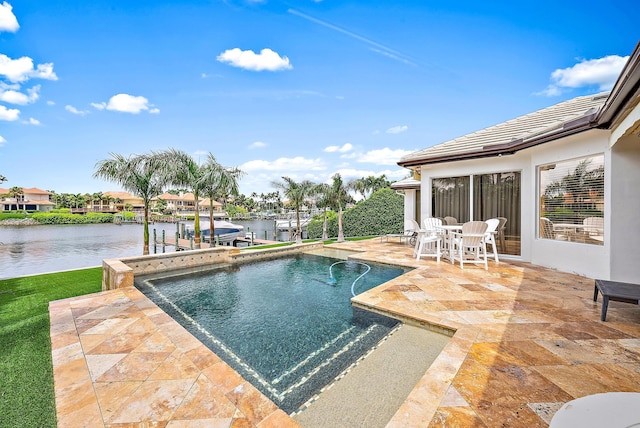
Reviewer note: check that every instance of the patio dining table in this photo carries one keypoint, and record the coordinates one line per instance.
(570, 229)
(446, 247)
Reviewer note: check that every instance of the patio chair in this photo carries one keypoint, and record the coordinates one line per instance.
(410, 232)
(594, 228)
(490, 236)
(450, 220)
(429, 236)
(501, 229)
(469, 246)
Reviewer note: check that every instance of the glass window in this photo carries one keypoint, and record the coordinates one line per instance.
(451, 198)
(498, 196)
(572, 200)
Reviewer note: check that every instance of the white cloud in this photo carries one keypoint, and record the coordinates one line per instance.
(249, 60)
(21, 69)
(397, 129)
(33, 121)
(8, 21)
(600, 72)
(74, 110)
(9, 114)
(257, 145)
(127, 104)
(384, 156)
(51, 103)
(341, 149)
(15, 97)
(284, 165)
(2, 141)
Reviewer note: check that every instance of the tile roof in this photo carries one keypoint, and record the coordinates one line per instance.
(547, 121)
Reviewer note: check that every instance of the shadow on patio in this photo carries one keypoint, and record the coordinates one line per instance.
(528, 339)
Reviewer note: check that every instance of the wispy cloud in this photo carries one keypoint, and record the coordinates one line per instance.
(8, 21)
(2, 141)
(384, 156)
(600, 72)
(340, 149)
(15, 97)
(257, 145)
(32, 121)
(249, 60)
(127, 104)
(72, 109)
(397, 129)
(374, 46)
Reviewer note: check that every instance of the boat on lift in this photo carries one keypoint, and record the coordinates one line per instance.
(224, 231)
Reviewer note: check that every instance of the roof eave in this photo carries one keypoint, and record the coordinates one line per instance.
(575, 126)
(624, 89)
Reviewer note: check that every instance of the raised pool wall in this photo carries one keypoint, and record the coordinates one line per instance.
(120, 273)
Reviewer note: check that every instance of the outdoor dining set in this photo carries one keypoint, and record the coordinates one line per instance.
(459, 242)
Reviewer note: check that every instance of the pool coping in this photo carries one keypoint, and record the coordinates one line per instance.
(418, 409)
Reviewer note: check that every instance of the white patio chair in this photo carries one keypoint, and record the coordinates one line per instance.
(501, 230)
(450, 220)
(430, 235)
(469, 245)
(490, 236)
(594, 228)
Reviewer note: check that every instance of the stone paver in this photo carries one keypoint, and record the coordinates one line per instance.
(527, 339)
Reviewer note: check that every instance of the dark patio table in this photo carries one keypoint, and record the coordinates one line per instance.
(616, 291)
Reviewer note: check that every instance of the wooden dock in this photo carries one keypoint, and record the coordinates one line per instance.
(185, 244)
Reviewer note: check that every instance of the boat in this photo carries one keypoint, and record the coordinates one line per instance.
(291, 224)
(223, 230)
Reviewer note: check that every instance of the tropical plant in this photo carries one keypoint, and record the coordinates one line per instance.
(3, 178)
(323, 200)
(16, 192)
(138, 174)
(297, 194)
(339, 196)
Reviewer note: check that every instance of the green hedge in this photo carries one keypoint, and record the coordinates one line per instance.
(382, 213)
(63, 218)
(8, 214)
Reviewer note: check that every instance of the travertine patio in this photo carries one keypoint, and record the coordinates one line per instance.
(527, 340)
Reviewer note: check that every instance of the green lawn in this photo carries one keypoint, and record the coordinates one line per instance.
(26, 374)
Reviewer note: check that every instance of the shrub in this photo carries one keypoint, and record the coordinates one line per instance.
(8, 214)
(382, 213)
(64, 218)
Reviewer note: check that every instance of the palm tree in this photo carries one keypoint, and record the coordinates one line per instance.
(3, 178)
(215, 180)
(323, 200)
(297, 193)
(140, 175)
(183, 170)
(339, 195)
(16, 192)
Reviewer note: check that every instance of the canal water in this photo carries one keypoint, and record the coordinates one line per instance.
(28, 250)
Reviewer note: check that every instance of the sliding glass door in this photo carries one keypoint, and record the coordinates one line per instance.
(481, 197)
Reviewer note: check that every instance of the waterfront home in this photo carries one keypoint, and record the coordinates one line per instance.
(565, 178)
(185, 203)
(31, 199)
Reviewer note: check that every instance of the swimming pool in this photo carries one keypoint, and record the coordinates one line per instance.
(281, 323)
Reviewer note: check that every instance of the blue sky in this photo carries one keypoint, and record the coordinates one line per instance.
(301, 89)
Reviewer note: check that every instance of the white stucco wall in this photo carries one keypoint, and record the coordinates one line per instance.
(625, 211)
(583, 259)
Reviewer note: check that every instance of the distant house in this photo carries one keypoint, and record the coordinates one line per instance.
(120, 200)
(185, 204)
(566, 179)
(31, 199)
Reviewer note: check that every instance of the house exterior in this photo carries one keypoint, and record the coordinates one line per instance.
(185, 204)
(566, 178)
(31, 199)
(119, 200)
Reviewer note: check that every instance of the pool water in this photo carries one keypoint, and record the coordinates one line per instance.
(282, 323)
